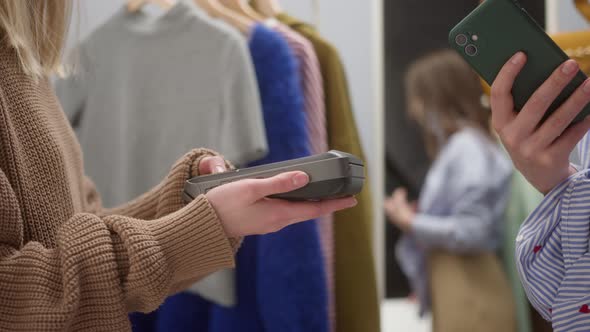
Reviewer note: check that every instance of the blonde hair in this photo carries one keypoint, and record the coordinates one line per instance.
(36, 29)
(443, 95)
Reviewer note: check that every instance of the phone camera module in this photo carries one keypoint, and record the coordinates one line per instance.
(471, 50)
(461, 39)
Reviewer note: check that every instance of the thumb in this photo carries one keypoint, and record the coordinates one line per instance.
(212, 165)
(282, 183)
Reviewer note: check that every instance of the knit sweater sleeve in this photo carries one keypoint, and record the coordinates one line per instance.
(163, 199)
(104, 265)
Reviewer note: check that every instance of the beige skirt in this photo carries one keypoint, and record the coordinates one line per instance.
(470, 293)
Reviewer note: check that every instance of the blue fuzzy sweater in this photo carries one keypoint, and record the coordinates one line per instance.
(280, 277)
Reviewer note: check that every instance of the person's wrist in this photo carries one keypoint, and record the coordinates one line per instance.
(407, 221)
(547, 189)
(234, 239)
(572, 170)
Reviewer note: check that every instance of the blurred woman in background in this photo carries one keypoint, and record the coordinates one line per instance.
(452, 234)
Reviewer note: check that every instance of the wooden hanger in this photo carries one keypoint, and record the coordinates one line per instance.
(216, 9)
(577, 46)
(584, 8)
(268, 8)
(242, 7)
(135, 5)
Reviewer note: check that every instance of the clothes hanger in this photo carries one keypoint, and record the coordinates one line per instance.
(268, 8)
(242, 7)
(215, 9)
(135, 5)
(584, 8)
(577, 44)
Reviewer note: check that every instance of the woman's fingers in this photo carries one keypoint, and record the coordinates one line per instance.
(243, 209)
(557, 123)
(287, 213)
(569, 139)
(282, 183)
(501, 95)
(539, 150)
(390, 205)
(533, 111)
(400, 195)
(414, 206)
(212, 165)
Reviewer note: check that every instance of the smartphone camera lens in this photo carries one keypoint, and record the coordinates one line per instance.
(461, 39)
(471, 50)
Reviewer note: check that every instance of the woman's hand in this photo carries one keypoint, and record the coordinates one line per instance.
(212, 165)
(540, 151)
(244, 209)
(399, 210)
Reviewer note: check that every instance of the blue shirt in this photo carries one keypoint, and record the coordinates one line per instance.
(461, 206)
(552, 251)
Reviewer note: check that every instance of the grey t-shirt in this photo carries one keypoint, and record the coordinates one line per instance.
(149, 89)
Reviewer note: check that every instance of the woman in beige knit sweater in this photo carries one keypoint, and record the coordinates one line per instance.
(66, 263)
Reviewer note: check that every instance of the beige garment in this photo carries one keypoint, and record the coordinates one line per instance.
(65, 263)
(470, 293)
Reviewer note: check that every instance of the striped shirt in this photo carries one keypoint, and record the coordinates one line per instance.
(317, 133)
(552, 251)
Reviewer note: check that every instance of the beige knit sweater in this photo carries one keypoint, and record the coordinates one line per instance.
(65, 263)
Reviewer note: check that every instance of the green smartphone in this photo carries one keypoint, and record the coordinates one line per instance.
(496, 30)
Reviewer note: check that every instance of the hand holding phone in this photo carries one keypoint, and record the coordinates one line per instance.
(540, 151)
(333, 175)
(539, 97)
(496, 30)
(243, 209)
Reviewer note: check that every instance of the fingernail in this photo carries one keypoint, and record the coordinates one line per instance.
(300, 180)
(569, 67)
(219, 169)
(586, 87)
(517, 58)
(353, 202)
